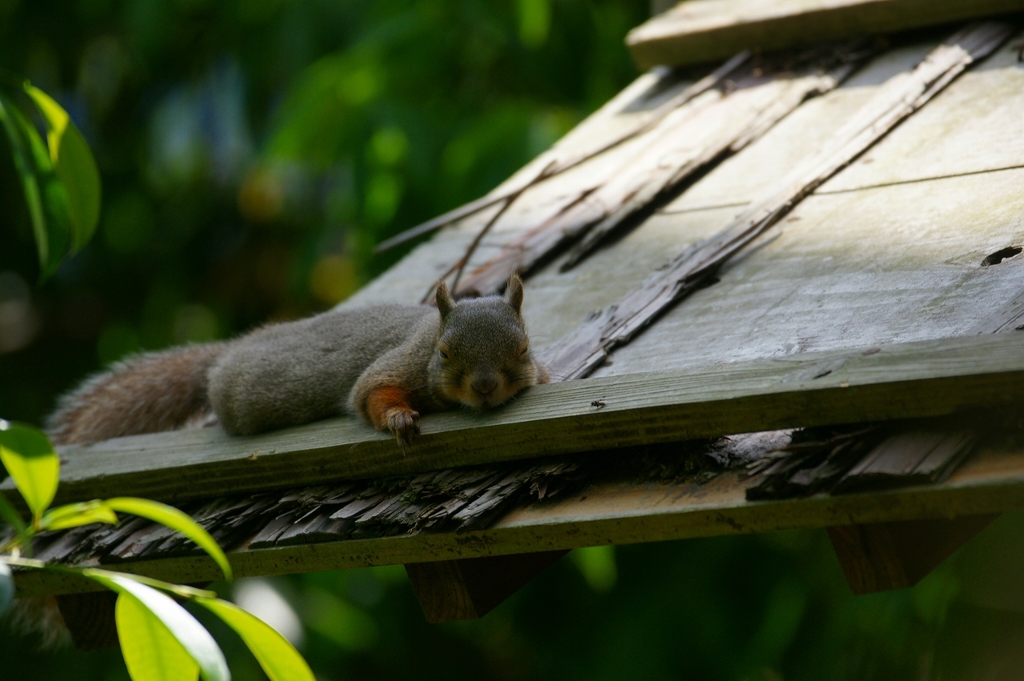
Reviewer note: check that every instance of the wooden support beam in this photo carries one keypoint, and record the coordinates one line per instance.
(911, 380)
(896, 555)
(706, 30)
(89, 618)
(469, 588)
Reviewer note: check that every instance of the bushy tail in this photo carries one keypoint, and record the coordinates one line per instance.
(148, 393)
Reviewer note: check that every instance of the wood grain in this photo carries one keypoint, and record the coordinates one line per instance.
(901, 381)
(705, 30)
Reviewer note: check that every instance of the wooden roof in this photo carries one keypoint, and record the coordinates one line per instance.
(839, 228)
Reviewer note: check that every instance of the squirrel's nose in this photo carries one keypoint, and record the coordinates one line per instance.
(484, 385)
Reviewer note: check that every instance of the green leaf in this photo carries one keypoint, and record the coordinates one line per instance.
(150, 651)
(29, 458)
(75, 167)
(23, 136)
(176, 520)
(74, 515)
(279, 659)
(6, 587)
(180, 625)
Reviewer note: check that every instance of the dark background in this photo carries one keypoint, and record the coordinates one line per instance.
(252, 153)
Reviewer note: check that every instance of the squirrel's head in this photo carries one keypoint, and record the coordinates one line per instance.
(483, 356)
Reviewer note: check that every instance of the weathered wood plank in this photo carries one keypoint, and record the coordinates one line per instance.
(579, 353)
(891, 264)
(469, 588)
(894, 263)
(791, 301)
(973, 126)
(902, 381)
(647, 189)
(992, 481)
(896, 555)
(691, 137)
(705, 30)
(749, 176)
(632, 109)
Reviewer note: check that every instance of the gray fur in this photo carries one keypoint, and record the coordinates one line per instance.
(297, 372)
(303, 371)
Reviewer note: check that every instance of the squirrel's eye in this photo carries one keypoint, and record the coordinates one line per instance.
(444, 355)
(525, 351)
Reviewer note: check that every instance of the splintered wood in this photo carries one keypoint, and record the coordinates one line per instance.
(618, 508)
(859, 459)
(696, 133)
(583, 350)
(442, 501)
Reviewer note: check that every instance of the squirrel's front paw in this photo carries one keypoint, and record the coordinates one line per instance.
(404, 423)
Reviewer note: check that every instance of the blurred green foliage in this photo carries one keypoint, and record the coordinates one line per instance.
(252, 152)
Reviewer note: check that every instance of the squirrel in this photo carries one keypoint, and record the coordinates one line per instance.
(387, 363)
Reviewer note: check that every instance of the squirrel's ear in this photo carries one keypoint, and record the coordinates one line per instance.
(444, 299)
(514, 292)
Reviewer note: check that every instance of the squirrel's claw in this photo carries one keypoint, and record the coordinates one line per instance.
(404, 424)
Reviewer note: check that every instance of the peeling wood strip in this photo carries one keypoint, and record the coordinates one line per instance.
(908, 458)
(689, 139)
(582, 351)
(796, 92)
(814, 466)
